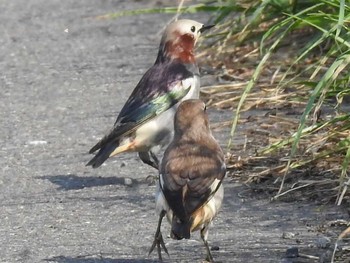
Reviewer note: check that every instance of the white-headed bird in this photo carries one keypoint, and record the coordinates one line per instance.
(146, 120)
(190, 190)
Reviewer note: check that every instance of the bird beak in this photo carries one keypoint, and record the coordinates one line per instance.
(205, 27)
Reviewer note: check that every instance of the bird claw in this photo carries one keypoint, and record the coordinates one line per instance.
(209, 258)
(152, 179)
(158, 239)
(159, 242)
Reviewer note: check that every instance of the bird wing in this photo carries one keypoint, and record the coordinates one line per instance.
(160, 88)
(190, 177)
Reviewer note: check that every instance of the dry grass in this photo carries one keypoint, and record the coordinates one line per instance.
(268, 136)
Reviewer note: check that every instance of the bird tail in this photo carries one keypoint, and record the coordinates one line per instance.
(109, 150)
(180, 229)
(102, 155)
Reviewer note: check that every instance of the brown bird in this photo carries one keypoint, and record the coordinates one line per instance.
(190, 190)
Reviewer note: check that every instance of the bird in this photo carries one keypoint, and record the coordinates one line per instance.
(190, 190)
(145, 123)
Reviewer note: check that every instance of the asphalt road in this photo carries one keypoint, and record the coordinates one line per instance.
(64, 77)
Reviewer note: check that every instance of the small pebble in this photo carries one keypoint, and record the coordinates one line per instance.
(37, 142)
(215, 248)
(288, 235)
(292, 252)
(128, 181)
(323, 242)
(286, 260)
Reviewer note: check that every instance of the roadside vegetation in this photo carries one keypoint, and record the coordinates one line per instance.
(302, 55)
(291, 60)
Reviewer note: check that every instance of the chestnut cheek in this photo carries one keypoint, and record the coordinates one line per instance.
(187, 41)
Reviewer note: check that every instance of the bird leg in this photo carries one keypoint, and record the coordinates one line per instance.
(204, 236)
(155, 159)
(146, 158)
(158, 239)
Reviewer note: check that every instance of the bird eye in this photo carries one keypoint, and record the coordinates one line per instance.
(193, 29)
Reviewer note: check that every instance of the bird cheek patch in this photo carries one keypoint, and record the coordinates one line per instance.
(187, 41)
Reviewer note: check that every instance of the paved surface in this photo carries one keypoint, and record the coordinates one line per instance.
(64, 77)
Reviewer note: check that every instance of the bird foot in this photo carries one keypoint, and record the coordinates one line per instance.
(159, 242)
(152, 179)
(209, 259)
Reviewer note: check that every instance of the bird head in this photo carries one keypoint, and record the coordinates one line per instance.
(179, 39)
(191, 118)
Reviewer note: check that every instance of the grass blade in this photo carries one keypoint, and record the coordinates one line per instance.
(330, 75)
(251, 84)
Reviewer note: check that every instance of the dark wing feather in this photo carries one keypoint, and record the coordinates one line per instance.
(154, 94)
(188, 173)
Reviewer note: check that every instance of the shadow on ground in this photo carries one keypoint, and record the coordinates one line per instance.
(63, 259)
(74, 182)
